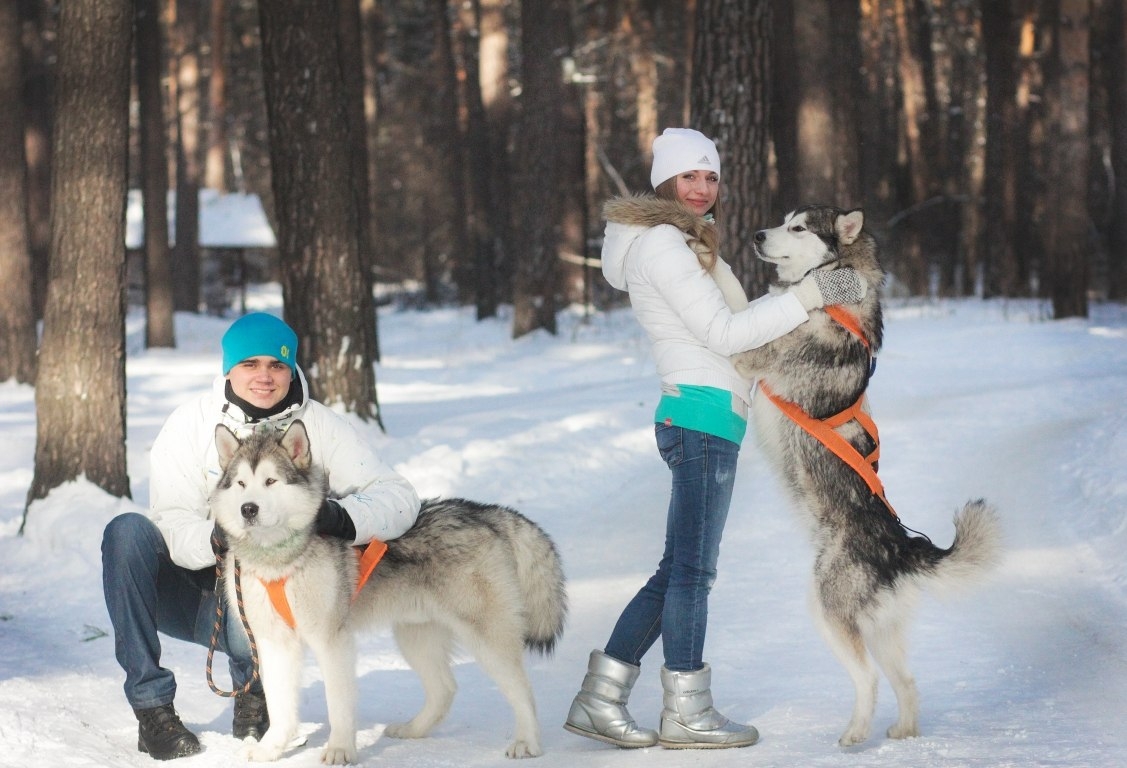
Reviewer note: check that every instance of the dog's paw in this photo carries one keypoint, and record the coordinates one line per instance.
(523, 748)
(853, 736)
(338, 755)
(262, 751)
(404, 731)
(903, 731)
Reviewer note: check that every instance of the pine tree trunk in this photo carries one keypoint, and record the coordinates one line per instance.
(1068, 224)
(160, 329)
(186, 261)
(541, 176)
(327, 294)
(17, 318)
(730, 98)
(80, 394)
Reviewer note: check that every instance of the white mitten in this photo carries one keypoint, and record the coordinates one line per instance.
(837, 286)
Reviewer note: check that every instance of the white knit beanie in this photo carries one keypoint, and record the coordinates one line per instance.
(678, 150)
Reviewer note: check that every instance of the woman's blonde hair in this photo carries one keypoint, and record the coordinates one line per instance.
(706, 242)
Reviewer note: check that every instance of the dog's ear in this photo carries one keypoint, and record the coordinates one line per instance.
(296, 444)
(848, 226)
(226, 443)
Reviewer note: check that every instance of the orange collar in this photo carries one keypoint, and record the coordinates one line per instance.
(367, 557)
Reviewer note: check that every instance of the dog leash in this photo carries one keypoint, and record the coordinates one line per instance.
(218, 624)
(368, 558)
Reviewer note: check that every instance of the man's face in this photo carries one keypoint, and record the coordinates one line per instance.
(262, 381)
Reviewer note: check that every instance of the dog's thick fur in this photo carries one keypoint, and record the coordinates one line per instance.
(867, 568)
(481, 575)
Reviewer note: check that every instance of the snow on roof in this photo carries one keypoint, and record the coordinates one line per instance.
(226, 220)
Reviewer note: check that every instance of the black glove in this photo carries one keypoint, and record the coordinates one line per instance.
(219, 541)
(332, 520)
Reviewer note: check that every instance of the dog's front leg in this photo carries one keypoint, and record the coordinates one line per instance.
(336, 655)
(280, 662)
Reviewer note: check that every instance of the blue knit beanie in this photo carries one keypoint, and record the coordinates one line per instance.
(258, 334)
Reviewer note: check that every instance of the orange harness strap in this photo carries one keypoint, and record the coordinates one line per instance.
(367, 558)
(823, 430)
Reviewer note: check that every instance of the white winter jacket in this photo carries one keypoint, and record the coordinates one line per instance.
(184, 470)
(691, 326)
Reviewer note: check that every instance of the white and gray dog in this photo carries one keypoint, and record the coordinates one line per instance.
(481, 575)
(868, 569)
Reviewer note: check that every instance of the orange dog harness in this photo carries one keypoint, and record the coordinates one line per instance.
(823, 430)
(367, 558)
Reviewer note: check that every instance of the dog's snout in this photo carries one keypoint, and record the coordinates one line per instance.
(249, 510)
(761, 236)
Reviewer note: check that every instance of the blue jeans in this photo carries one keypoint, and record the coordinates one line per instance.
(145, 593)
(674, 602)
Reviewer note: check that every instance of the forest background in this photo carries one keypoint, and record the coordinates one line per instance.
(450, 151)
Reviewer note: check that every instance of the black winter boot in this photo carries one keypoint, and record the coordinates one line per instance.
(161, 734)
(251, 717)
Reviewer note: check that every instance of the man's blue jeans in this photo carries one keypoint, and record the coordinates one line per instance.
(146, 592)
(674, 602)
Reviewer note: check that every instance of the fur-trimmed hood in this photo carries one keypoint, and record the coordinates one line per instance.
(628, 217)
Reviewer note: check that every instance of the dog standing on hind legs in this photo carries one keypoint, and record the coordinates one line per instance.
(481, 575)
(812, 420)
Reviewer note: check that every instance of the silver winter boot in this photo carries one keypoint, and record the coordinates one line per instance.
(599, 709)
(689, 721)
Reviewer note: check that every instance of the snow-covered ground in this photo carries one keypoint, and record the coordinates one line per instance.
(972, 398)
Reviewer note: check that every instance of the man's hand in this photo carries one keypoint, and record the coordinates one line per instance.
(219, 543)
(333, 520)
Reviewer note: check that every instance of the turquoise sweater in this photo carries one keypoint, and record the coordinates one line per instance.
(704, 409)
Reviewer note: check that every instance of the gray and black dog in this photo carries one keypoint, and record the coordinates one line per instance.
(479, 575)
(868, 568)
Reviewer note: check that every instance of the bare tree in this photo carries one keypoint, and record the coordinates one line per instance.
(185, 97)
(826, 87)
(1067, 270)
(1116, 78)
(80, 393)
(327, 293)
(541, 155)
(17, 316)
(160, 330)
(38, 25)
(731, 102)
(215, 166)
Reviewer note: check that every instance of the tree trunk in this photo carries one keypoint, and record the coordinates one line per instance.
(1068, 223)
(80, 394)
(731, 102)
(160, 330)
(497, 100)
(215, 168)
(999, 192)
(827, 86)
(1117, 116)
(17, 316)
(39, 54)
(481, 216)
(327, 294)
(186, 258)
(541, 175)
(352, 70)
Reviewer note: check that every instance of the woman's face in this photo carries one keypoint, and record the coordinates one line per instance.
(262, 381)
(698, 190)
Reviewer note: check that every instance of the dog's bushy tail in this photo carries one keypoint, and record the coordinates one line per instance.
(976, 550)
(542, 585)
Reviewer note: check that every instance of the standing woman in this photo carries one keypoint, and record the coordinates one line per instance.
(663, 250)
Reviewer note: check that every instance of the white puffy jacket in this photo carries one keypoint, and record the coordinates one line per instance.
(692, 328)
(184, 469)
